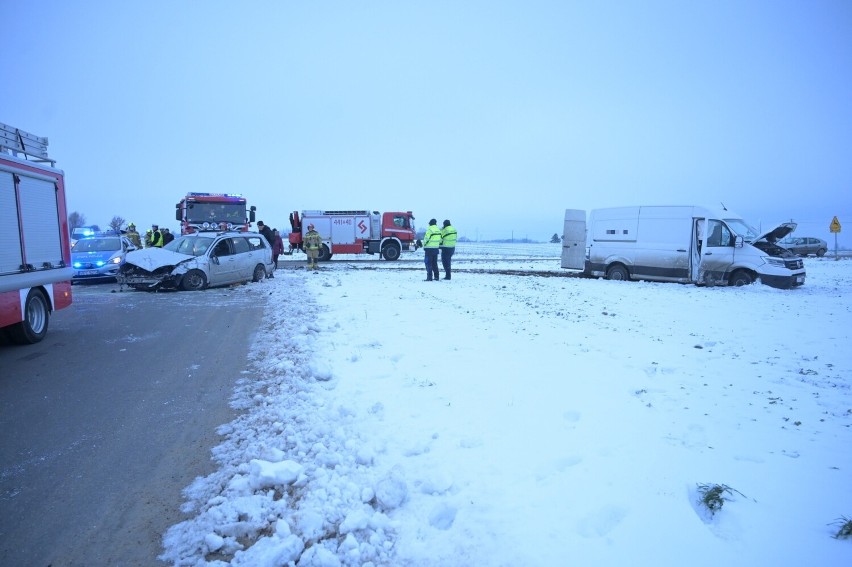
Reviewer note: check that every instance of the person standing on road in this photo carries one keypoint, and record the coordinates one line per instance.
(312, 243)
(448, 246)
(431, 244)
(277, 250)
(133, 236)
(167, 236)
(156, 236)
(266, 232)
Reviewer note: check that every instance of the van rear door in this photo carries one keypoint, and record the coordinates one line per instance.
(574, 240)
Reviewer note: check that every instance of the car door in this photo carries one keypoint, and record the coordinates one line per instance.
(260, 253)
(811, 246)
(243, 251)
(224, 268)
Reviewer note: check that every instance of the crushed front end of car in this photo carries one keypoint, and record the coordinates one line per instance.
(152, 269)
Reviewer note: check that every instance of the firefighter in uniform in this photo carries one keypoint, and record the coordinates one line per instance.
(448, 246)
(313, 241)
(431, 242)
(133, 236)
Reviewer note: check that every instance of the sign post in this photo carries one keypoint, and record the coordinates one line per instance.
(835, 228)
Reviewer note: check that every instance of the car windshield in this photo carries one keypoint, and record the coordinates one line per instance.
(97, 245)
(741, 228)
(190, 244)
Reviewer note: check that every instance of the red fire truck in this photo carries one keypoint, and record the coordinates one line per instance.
(213, 211)
(356, 232)
(35, 257)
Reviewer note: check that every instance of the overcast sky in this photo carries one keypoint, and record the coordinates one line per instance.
(497, 115)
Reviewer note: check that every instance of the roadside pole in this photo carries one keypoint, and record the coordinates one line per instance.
(835, 228)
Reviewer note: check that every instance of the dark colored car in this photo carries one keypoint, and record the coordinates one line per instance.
(805, 245)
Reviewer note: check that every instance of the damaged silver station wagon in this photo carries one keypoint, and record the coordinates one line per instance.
(198, 261)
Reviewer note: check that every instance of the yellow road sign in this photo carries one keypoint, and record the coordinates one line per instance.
(835, 225)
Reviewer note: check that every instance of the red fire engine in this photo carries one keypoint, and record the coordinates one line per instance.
(356, 232)
(35, 258)
(213, 211)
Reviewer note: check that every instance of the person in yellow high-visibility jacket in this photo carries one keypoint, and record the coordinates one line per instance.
(431, 244)
(156, 236)
(448, 247)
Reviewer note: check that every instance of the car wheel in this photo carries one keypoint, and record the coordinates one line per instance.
(740, 278)
(821, 252)
(193, 280)
(259, 273)
(390, 251)
(36, 318)
(324, 254)
(617, 272)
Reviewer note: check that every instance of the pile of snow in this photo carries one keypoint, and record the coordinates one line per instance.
(523, 420)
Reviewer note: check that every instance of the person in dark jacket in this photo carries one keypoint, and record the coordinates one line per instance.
(277, 250)
(167, 236)
(266, 232)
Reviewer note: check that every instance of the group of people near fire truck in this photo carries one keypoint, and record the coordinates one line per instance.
(441, 240)
(154, 236)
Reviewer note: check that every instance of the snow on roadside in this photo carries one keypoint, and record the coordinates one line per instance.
(497, 420)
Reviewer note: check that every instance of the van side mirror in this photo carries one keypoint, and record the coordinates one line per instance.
(738, 241)
(215, 259)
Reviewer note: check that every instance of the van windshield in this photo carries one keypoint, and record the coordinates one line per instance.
(741, 228)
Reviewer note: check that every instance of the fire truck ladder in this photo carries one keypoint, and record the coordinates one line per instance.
(16, 141)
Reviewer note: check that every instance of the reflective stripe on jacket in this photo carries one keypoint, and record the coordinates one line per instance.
(448, 237)
(313, 241)
(432, 238)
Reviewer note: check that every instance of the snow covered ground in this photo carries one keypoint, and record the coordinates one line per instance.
(524, 420)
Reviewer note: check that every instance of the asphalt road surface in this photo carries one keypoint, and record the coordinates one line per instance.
(106, 420)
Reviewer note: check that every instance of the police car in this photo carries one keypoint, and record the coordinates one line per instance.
(99, 256)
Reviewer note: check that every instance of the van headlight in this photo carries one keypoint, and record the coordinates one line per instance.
(777, 262)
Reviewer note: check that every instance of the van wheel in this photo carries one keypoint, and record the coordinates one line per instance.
(324, 254)
(617, 272)
(36, 318)
(390, 251)
(820, 252)
(740, 278)
(193, 280)
(259, 273)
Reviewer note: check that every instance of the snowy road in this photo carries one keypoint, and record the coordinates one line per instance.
(106, 420)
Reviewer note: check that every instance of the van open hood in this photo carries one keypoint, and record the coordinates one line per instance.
(152, 258)
(777, 233)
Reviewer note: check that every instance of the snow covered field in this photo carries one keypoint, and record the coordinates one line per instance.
(537, 421)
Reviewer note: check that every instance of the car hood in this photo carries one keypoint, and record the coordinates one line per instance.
(152, 258)
(777, 233)
(93, 256)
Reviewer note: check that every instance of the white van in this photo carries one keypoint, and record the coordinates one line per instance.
(686, 244)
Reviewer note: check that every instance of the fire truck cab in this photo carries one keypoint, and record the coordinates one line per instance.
(199, 212)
